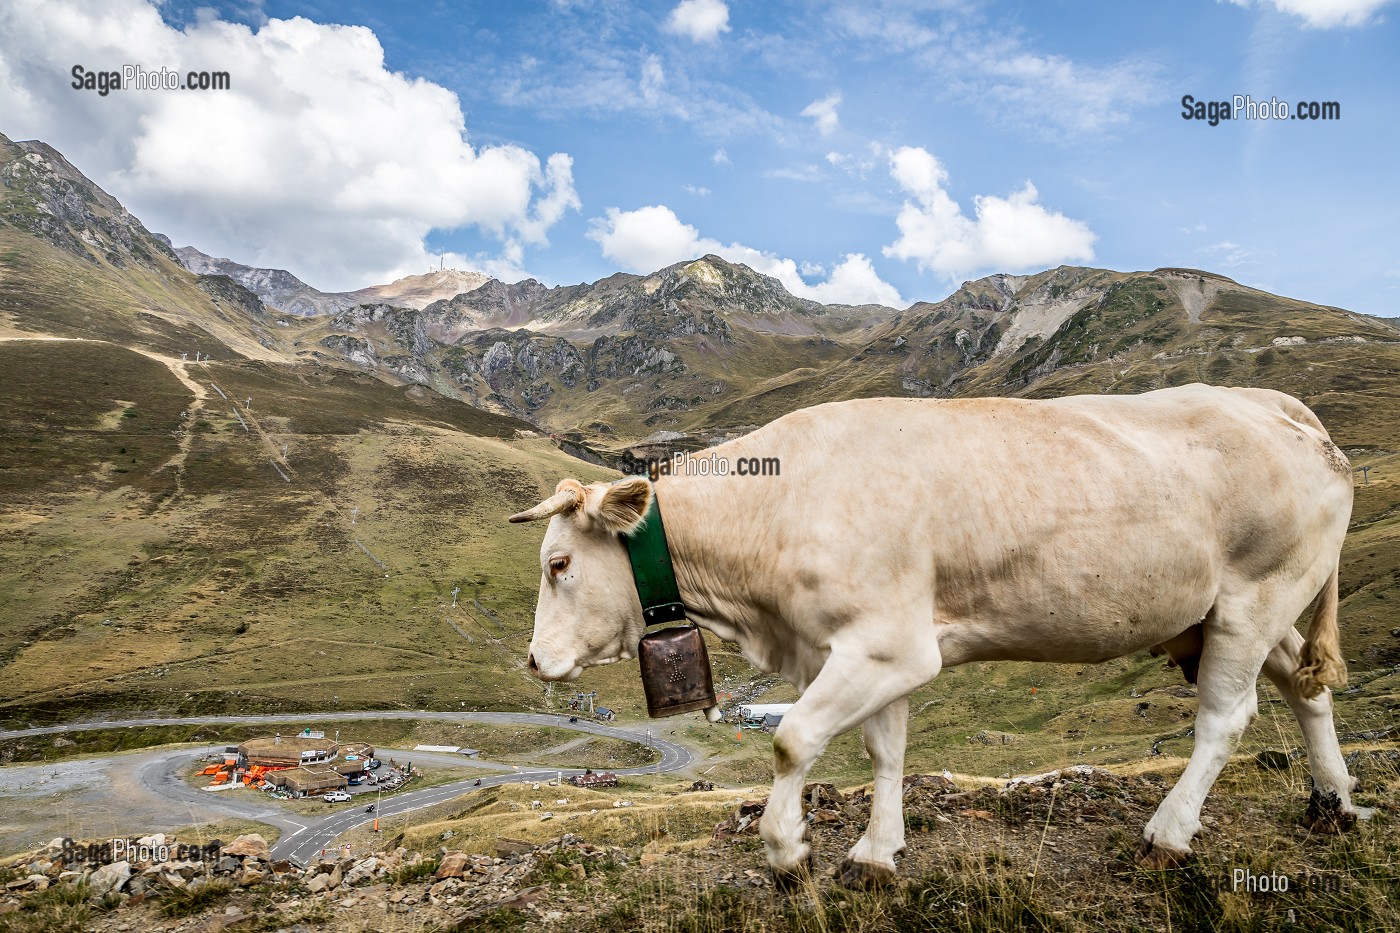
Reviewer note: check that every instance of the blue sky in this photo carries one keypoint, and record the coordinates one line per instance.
(872, 151)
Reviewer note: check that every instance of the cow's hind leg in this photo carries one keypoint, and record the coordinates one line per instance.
(851, 687)
(1329, 807)
(1234, 652)
(871, 860)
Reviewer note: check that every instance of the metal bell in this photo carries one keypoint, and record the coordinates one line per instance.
(676, 672)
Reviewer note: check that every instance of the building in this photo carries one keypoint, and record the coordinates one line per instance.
(757, 713)
(305, 749)
(307, 781)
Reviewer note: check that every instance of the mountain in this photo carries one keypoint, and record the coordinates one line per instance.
(75, 263)
(222, 533)
(1072, 330)
(624, 357)
(284, 526)
(283, 291)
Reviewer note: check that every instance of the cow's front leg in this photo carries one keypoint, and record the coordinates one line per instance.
(871, 860)
(851, 687)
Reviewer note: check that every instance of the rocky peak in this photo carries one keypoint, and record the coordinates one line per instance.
(45, 195)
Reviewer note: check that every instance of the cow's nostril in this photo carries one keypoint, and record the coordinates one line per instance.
(534, 668)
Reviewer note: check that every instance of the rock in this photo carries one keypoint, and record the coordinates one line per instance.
(109, 878)
(153, 841)
(454, 865)
(318, 884)
(579, 872)
(170, 879)
(508, 848)
(334, 879)
(249, 877)
(249, 846)
(226, 865)
(821, 795)
(363, 870)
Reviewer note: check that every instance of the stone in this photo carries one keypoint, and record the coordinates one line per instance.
(318, 884)
(507, 848)
(250, 845)
(109, 878)
(363, 870)
(226, 865)
(170, 879)
(454, 865)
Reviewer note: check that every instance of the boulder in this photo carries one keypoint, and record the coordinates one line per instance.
(109, 878)
(363, 870)
(249, 846)
(454, 865)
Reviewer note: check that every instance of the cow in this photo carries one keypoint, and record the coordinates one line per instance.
(903, 536)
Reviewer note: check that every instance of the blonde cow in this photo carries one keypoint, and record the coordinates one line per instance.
(900, 537)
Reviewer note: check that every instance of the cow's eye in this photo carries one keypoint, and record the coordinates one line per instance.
(558, 565)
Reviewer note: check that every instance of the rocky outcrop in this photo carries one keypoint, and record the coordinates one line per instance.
(46, 196)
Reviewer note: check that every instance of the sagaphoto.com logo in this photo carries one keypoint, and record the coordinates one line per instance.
(1245, 107)
(136, 78)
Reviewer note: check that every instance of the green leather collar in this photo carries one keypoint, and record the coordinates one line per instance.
(652, 570)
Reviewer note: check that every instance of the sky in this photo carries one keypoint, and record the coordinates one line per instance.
(875, 151)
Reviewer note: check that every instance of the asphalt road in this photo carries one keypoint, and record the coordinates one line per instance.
(303, 838)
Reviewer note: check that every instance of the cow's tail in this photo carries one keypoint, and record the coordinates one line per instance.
(1320, 662)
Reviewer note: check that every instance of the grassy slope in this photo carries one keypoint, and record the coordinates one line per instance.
(246, 591)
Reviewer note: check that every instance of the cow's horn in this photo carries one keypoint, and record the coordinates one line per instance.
(561, 501)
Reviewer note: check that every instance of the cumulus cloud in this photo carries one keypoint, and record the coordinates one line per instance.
(699, 20)
(823, 113)
(1324, 14)
(653, 237)
(318, 159)
(1006, 235)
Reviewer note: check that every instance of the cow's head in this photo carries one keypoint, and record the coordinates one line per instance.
(588, 611)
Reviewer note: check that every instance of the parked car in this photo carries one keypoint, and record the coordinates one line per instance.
(336, 796)
(374, 764)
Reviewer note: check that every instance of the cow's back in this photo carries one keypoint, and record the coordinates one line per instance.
(1103, 517)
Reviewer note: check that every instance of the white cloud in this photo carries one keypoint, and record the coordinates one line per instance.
(823, 113)
(802, 171)
(1325, 14)
(653, 237)
(1007, 234)
(700, 20)
(319, 159)
(653, 79)
(720, 157)
(700, 191)
(1228, 254)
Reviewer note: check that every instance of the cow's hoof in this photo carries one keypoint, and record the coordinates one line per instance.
(1157, 858)
(1325, 815)
(795, 878)
(855, 874)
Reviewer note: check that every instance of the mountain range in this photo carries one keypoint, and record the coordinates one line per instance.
(221, 487)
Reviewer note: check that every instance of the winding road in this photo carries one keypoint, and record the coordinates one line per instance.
(303, 838)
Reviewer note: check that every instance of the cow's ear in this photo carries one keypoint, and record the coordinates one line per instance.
(624, 504)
